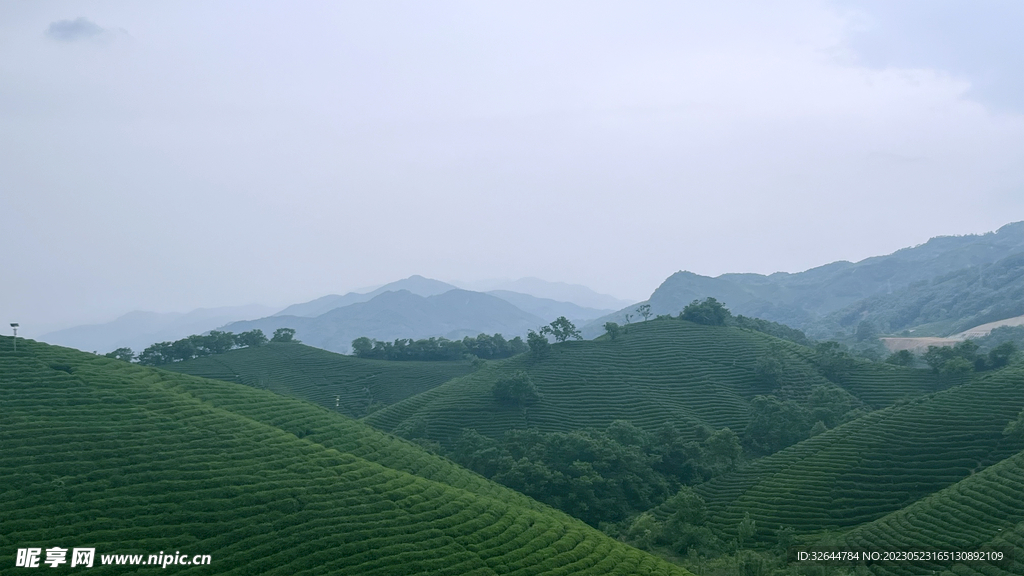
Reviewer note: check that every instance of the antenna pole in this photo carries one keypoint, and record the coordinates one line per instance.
(15, 325)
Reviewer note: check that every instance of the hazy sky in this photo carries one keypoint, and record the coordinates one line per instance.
(171, 155)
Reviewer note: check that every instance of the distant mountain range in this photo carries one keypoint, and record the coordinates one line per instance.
(136, 330)
(402, 314)
(414, 307)
(559, 291)
(415, 284)
(418, 307)
(839, 295)
(946, 285)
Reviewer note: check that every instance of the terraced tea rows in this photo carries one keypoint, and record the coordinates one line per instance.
(982, 512)
(352, 386)
(661, 372)
(875, 465)
(132, 460)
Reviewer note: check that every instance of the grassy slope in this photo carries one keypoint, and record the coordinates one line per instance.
(342, 383)
(876, 464)
(95, 452)
(662, 371)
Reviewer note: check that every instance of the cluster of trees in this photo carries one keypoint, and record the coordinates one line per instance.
(561, 329)
(426, 349)
(777, 422)
(516, 389)
(771, 328)
(832, 361)
(600, 475)
(963, 358)
(194, 346)
(709, 312)
(683, 530)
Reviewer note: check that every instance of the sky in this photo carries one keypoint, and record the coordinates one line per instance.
(172, 155)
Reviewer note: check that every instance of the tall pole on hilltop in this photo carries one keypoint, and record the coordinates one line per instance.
(15, 326)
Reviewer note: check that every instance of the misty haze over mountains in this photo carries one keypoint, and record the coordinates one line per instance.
(948, 284)
(136, 330)
(815, 300)
(401, 309)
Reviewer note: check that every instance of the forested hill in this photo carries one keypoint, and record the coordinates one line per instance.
(944, 305)
(127, 459)
(802, 299)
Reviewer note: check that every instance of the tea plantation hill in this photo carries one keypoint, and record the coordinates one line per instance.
(663, 371)
(128, 459)
(875, 465)
(352, 386)
(982, 511)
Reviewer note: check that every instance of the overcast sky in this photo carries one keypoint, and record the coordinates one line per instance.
(171, 155)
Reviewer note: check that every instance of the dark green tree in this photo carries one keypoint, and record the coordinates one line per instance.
(644, 310)
(538, 344)
(613, 329)
(362, 347)
(709, 312)
(216, 342)
(833, 362)
(901, 358)
(251, 339)
(956, 367)
(746, 530)
(157, 354)
(936, 356)
(684, 529)
(122, 354)
(1000, 355)
(517, 389)
(284, 335)
(775, 424)
(722, 451)
(562, 329)
(184, 349)
(769, 365)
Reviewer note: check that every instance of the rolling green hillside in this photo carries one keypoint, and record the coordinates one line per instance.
(662, 371)
(352, 386)
(132, 460)
(875, 465)
(983, 511)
